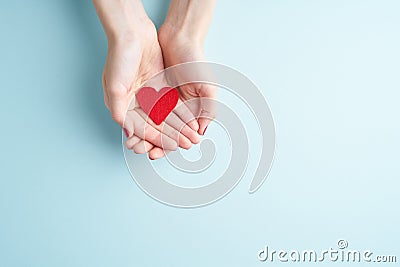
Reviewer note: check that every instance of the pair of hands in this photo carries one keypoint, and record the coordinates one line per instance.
(134, 59)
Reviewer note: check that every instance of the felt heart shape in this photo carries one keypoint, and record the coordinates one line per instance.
(157, 105)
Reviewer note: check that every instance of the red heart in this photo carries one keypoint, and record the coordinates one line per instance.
(159, 104)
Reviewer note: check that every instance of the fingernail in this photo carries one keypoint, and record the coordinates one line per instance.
(205, 130)
(126, 132)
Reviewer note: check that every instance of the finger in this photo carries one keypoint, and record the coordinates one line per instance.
(119, 76)
(131, 142)
(208, 94)
(147, 132)
(157, 153)
(138, 145)
(117, 101)
(184, 113)
(168, 130)
(103, 82)
(129, 125)
(204, 120)
(142, 147)
(203, 125)
(174, 121)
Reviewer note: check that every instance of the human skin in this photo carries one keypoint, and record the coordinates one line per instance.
(181, 38)
(134, 56)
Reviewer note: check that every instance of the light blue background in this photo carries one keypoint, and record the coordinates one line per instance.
(330, 72)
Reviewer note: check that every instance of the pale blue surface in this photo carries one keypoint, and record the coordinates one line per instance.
(330, 71)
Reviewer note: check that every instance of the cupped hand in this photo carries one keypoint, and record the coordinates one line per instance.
(131, 61)
(134, 56)
(199, 97)
(177, 49)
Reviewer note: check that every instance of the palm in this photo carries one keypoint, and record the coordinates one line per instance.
(127, 67)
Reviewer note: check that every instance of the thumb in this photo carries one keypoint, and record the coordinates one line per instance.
(118, 103)
(118, 76)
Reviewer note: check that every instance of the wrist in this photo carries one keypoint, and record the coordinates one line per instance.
(190, 19)
(132, 31)
(169, 35)
(122, 20)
